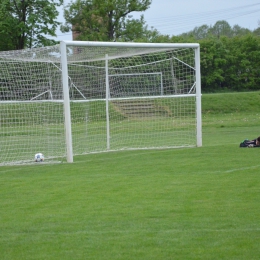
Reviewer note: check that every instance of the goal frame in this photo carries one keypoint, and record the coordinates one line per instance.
(65, 83)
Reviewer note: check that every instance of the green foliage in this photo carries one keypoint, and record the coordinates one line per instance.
(230, 63)
(27, 23)
(219, 29)
(229, 56)
(105, 20)
(212, 61)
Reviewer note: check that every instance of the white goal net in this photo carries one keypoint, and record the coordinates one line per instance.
(86, 97)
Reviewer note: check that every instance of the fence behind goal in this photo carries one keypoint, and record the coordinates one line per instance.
(86, 97)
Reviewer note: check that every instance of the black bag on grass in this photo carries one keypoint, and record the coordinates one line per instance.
(248, 143)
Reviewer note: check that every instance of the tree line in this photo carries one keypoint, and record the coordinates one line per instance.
(230, 56)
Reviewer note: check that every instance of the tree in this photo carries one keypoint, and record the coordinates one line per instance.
(257, 30)
(201, 32)
(213, 61)
(230, 63)
(6, 22)
(105, 20)
(28, 23)
(221, 28)
(239, 31)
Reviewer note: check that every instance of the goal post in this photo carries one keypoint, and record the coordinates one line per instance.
(87, 97)
(131, 100)
(198, 97)
(66, 98)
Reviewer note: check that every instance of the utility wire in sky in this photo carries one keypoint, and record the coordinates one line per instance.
(179, 23)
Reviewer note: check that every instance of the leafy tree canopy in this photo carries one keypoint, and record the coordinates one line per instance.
(109, 20)
(28, 23)
(219, 29)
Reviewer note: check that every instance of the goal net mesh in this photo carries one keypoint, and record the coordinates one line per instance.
(120, 98)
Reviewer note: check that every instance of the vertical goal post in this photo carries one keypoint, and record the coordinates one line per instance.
(80, 97)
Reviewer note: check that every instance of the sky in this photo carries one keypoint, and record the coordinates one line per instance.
(174, 17)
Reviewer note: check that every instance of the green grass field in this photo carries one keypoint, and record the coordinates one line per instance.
(192, 203)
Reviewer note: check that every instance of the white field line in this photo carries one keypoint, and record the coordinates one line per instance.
(147, 231)
(239, 169)
(120, 156)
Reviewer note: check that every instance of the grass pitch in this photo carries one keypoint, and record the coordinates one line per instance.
(193, 203)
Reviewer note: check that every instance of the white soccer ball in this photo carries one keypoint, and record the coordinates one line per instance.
(39, 157)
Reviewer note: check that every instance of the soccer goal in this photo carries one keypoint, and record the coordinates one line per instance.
(87, 97)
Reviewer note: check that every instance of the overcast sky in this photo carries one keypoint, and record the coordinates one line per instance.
(174, 17)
